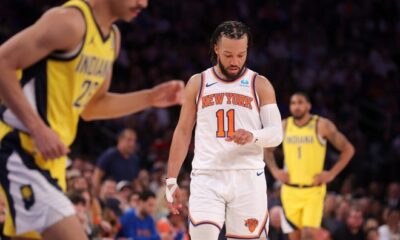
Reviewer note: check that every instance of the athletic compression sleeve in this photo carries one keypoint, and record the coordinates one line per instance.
(271, 134)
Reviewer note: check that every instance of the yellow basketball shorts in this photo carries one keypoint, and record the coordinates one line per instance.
(302, 207)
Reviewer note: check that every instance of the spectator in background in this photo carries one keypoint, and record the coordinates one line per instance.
(393, 195)
(107, 191)
(79, 203)
(124, 190)
(138, 223)
(77, 183)
(352, 227)
(87, 173)
(329, 220)
(342, 209)
(134, 200)
(120, 162)
(372, 234)
(391, 229)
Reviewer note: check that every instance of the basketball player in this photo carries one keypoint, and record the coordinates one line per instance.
(52, 73)
(304, 147)
(236, 115)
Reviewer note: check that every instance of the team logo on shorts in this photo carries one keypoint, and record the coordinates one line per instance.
(27, 196)
(251, 224)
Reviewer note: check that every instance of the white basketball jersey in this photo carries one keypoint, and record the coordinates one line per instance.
(222, 108)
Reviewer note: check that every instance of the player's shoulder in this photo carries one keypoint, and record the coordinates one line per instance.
(195, 80)
(325, 123)
(65, 22)
(68, 16)
(263, 83)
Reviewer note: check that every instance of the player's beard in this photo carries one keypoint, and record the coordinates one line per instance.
(299, 116)
(227, 75)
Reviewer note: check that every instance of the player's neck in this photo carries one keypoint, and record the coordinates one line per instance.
(304, 120)
(102, 15)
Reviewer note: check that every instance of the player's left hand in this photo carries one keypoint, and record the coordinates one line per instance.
(240, 137)
(323, 178)
(167, 94)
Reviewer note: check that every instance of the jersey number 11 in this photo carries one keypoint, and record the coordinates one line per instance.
(230, 114)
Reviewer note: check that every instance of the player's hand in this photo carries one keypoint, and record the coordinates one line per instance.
(172, 194)
(167, 94)
(323, 178)
(48, 143)
(281, 175)
(241, 137)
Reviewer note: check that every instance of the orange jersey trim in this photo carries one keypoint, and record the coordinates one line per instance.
(203, 222)
(254, 92)
(219, 79)
(201, 90)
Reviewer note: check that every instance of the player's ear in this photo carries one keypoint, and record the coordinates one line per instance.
(216, 49)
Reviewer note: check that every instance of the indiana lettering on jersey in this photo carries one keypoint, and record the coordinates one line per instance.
(92, 65)
(226, 98)
(299, 139)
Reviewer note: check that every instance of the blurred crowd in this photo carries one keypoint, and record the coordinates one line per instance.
(344, 53)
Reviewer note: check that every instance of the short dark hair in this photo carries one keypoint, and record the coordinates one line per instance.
(231, 30)
(145, 195)
(76, 197)
(305, 95)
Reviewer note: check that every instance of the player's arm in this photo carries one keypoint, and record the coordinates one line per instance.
(58, 29)
(271, 134)
(106, 105)
(181, 139)
(269, 159)
(328, 130)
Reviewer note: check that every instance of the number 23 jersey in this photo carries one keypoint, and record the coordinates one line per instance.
(222, 108)
(59, 86)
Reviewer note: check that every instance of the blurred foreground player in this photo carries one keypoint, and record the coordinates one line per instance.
(52, 73)
(304, 147)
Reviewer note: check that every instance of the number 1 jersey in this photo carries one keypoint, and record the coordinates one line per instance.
(222, 108)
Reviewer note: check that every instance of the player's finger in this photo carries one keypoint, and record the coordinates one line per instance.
(229, 139)
(172, 208)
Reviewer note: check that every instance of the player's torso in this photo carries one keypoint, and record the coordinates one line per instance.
(224, 107)
(60, 86)
(304, 151)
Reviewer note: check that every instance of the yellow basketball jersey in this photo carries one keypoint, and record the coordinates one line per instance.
(60, 85)
(304, 151)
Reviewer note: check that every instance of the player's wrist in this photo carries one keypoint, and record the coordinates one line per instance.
(171, 181)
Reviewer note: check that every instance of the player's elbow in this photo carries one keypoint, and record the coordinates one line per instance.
(278, 137)
(351, 150)
(268, 137)
(277, 141)
(87, 116)
(90, 114)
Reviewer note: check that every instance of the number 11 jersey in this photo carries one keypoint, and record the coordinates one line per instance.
(222, 108)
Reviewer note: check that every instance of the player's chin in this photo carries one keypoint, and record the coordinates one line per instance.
(130, 16)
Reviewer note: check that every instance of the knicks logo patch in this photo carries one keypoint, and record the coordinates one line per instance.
(251, 224)
(27, 196)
